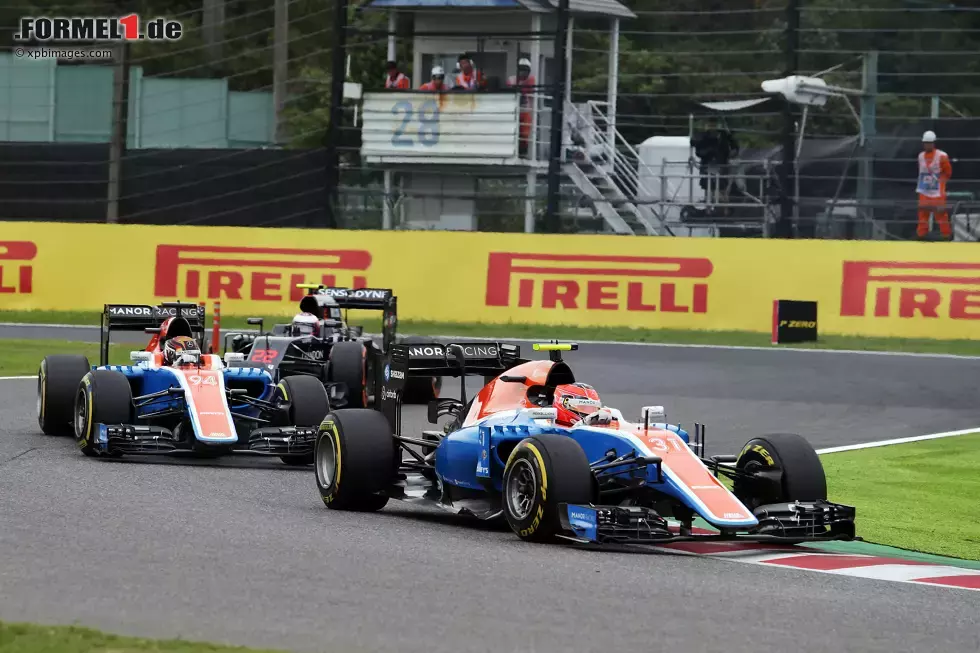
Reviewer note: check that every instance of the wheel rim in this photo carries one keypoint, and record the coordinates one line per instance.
(742, 491)
(80, 417)
(40, 396)
(522, 489)
(326, 462)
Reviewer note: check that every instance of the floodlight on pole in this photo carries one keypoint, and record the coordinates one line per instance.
(797, 89)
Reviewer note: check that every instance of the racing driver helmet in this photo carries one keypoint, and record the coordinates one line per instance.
(305, 324)
(179, 346)
(574, 401)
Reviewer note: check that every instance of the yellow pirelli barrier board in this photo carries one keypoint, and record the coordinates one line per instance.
(862, 287)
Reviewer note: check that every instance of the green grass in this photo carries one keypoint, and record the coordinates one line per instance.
(533, 331)
(23, 357)
(34, 638)
(921, 496)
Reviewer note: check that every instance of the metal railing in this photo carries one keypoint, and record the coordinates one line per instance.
(591, 133)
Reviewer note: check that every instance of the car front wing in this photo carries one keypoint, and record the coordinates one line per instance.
(138, 439)
(789, 523)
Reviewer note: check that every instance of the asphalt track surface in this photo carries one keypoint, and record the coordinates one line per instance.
(243, 551)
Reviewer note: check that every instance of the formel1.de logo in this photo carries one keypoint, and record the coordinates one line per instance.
(73, 29)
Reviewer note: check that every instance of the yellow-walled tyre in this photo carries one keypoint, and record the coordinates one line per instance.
(542, 472)
(57, 381)
(103, 397)
(354, 459)
(786, 467)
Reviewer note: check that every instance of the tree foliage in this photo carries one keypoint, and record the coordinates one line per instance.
(673, 54)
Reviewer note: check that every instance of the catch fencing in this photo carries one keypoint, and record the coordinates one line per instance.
(231, 125)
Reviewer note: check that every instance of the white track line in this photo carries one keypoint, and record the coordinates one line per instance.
(730, 347)
(16, 378)
(619, 343)
(885, 443)
(48, 326)
(88, 326)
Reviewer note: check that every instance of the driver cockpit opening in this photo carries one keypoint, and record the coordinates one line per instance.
(174, 327)
(323, 307)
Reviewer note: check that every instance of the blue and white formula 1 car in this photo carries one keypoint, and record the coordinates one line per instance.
(599, 479)
(192, 404)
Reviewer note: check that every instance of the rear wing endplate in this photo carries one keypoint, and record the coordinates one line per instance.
(486, 359)
(139, 317)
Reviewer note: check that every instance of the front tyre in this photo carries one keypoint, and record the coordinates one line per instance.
(306, 404)
(542, 472)
(103, 397)
(781, 467)
(353, 460)
(57, 381)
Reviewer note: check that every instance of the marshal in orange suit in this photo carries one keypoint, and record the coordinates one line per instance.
(934, 171)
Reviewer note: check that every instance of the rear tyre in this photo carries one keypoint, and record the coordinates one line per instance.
(348, 364)
(421, 390)
(103, 397)
(353, 460)
(306, 404)
(542, 472)
(57, 382)
(786, 468)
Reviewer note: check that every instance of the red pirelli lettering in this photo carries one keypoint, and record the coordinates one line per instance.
(916, 286)
(256, 273)
(598, 282)
(17, 277)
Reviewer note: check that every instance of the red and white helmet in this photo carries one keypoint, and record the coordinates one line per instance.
(574, 401)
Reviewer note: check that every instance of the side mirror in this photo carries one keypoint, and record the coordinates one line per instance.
(457, 353)
(256, 321)
(140, 356)
(234, 357)
(542, 413)
(152, 330)
(653, 414)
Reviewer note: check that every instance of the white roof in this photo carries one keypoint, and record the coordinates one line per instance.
(595, 7)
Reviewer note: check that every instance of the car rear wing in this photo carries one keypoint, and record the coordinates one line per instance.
(459, 359)
(454, 359)
(361, 299)
(140, 317)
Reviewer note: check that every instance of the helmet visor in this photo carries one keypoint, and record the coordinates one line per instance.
(303, 328)
(581, 405)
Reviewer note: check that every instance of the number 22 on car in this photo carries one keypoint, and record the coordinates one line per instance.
(428, 121)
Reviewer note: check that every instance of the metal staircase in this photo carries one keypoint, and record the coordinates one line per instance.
(604, 167)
